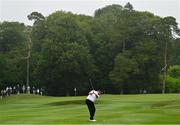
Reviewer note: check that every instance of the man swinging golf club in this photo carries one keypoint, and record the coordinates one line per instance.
(91, 98)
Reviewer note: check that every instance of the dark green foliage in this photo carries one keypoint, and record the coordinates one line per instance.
(10, 36)
(12, 49)
(173, 79)
(120, 49)
(125, 67)
(175, 58)
(36, 17)
(63, 54)
(174, 71)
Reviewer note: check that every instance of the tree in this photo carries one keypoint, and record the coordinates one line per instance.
(123, 70)
(36, 16)
(169, 27)
(29, 46)
(62, 53)
(122, 30)
(101, 44)
(12, 48)
(129, 6)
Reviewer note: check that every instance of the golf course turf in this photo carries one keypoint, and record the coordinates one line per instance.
(110, 109)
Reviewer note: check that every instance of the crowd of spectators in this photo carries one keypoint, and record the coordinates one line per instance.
(7, 91)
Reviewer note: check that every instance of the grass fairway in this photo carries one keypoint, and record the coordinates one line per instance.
(110, 109)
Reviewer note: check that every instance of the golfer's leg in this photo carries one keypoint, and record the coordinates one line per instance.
(90, 108)
(93, 110)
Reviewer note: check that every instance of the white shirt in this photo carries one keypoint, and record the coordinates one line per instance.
(92, 95)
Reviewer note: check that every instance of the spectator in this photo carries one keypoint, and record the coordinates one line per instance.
(18, 89)
(23, 88)
(37, 91)
(34, 90)
(41, 91)
(10, 90)
(7, 91)
(28, 89)
(14, 90)
(144, 91)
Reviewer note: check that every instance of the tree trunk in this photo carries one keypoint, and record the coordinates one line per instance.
(165, 69)
(28, 64)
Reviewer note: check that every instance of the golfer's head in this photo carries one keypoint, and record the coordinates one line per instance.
(99, 92)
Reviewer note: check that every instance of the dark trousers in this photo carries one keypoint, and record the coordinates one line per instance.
(91, 108)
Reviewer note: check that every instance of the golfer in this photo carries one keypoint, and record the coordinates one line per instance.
(91, 98)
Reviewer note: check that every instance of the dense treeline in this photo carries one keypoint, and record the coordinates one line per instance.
(121, 50)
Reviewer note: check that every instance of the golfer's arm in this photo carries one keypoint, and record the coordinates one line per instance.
(90, 93)
(96, 95)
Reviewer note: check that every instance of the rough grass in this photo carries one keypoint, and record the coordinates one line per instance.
(111, 109)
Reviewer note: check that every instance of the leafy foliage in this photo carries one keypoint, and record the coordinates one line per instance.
(120, 49)
(12, 49)
(173, 79)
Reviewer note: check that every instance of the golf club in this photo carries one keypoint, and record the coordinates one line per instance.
(91, 84)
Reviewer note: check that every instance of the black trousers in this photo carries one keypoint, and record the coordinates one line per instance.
(91, 108)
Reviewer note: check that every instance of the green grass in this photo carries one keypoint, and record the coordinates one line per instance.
(110, 109)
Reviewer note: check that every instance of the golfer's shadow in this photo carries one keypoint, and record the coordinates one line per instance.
(69, 102)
